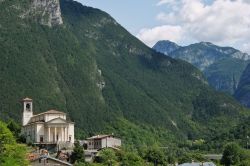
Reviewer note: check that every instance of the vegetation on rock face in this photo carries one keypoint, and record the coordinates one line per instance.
(105, 79)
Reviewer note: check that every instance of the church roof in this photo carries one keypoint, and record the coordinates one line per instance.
(27, 99)
(58, 120)
(50, 112)
(54, 112)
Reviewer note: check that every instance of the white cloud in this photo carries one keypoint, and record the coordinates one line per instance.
(246, 47)
(162, 2)
(225, 22)
(151, 36)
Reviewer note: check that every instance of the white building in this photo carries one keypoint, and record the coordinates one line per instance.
(103, 141)
(49, 127)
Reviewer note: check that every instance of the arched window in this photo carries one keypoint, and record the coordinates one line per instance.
(28, 107)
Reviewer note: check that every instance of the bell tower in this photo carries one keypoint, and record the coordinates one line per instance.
(27, 110)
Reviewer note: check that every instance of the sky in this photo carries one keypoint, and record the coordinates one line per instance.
(222, 22)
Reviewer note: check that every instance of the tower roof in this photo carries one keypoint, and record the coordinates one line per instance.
(27, 99)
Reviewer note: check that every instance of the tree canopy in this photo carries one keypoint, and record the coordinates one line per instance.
(11, 153)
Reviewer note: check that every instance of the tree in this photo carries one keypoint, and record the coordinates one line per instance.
(108, 157)
(11, 153)
(78, 153)
(245, 163)
(14, 128)
(171, 159)
(131, 158)
(185, 159)
(156, 156)
(231, 155)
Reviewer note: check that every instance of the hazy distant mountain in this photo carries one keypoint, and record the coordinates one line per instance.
(222, 66)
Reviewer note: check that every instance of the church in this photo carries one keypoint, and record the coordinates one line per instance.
(50, 127)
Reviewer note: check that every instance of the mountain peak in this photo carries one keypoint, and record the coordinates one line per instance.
(165, 42)
(206, 43)
(166, 46)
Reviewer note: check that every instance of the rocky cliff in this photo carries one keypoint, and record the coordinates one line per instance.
(46, 12)
(243, 91)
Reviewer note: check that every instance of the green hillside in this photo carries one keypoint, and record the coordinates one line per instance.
(104, 78)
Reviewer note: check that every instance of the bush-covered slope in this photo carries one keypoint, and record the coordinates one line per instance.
(104, 78)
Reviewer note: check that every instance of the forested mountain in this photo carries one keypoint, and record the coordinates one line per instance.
(222, 66)
(79, 60)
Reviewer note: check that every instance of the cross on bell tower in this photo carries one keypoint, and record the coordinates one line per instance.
(27, 110)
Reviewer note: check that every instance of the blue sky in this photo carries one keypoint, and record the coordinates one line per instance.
(132, 14)
(223, 22)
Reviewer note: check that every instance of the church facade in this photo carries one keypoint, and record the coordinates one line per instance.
(50, 127)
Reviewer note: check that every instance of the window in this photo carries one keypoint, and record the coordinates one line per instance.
(41, 138)
(70, 138)
(28, 107)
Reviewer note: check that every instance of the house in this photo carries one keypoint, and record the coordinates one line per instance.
(103, 141)
(50, 127)
(94, 144)
(48, 161)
